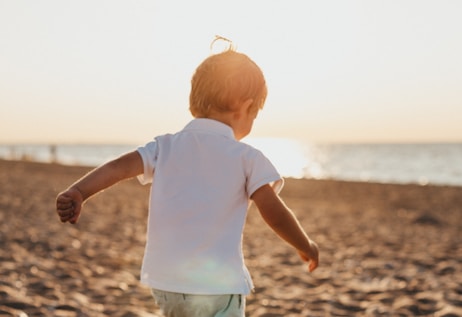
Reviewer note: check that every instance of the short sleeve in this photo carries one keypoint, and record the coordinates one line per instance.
(148, 154)
(260, 171)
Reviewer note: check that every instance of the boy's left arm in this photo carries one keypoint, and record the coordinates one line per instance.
(69, 202)
(284, 223)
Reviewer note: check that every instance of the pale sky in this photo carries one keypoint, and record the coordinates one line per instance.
(337, 71)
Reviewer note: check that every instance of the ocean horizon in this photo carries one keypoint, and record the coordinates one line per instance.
(400, 163)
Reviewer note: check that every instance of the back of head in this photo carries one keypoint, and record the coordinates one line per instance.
(224, 79)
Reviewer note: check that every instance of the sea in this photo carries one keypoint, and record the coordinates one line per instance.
(420, 163)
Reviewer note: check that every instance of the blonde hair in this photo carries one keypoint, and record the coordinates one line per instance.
(224, 79)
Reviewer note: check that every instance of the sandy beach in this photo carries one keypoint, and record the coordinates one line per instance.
(386, 250)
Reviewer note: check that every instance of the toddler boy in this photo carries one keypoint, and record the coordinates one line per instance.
(203, 180)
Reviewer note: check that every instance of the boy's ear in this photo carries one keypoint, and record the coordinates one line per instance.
(244, 107)
(247, 104)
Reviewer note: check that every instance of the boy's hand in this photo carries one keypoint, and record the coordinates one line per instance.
(69, 204)
(312, 256)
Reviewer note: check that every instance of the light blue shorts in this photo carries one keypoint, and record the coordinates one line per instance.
(189, 305)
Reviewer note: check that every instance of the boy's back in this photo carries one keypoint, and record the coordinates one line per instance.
(202, 182)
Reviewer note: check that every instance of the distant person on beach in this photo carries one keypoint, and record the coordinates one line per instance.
(203, 180)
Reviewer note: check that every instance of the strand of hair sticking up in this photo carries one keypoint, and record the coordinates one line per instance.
(228, 45)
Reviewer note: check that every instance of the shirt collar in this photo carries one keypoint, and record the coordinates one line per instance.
(211, 126)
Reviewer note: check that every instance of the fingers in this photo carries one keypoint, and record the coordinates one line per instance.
(69, 204)
(64, 204)
(312, 265)
(304, 257)
(311, 257)
(75, 216)
(67, 209)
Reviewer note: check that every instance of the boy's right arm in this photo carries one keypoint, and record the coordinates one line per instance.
(281, 219)
(69, 202)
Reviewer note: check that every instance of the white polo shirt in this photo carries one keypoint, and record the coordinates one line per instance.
(202, 178)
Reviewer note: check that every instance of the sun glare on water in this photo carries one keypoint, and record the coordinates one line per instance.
(290, 157)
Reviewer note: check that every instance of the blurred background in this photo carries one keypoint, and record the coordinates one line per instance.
(358, 90)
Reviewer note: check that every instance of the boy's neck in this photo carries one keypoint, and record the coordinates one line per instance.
(225, 118)
(240, 120)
